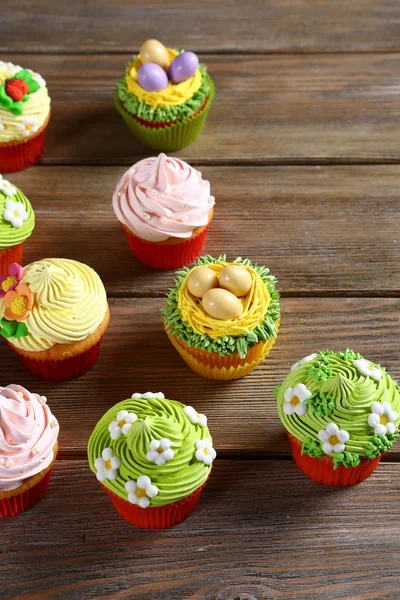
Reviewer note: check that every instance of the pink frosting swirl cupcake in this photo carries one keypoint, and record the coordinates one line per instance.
(28, 446)
(165, 208)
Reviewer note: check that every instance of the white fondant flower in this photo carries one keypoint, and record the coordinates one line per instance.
(365, 368)
(333, 439)
(295, 400)
(6, 187)
(195, 417)
(382, 418)
(10, 68)
(157, 395)
(141, 491)
(15, 213)
(28, 126)
(306, 359)
(204, 451)
(107, 466)
(37, 78)
(160, 451)
(121, 424)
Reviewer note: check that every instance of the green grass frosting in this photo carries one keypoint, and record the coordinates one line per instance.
(9, 234)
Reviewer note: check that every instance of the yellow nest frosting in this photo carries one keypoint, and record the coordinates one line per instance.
(255, 305)
(173, 95)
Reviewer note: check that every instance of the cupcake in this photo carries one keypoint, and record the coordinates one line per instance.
(223, 317)
(153, 457)
(53, 314)
(24, 116)
(164, 96)
(28, 448)
(17, 221)
(164, 206)
(341, 413)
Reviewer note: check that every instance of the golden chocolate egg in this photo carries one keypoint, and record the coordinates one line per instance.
(221, 304)
(153, 51)
(201, 280)
(236, 279)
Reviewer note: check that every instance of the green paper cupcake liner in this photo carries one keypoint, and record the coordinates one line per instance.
(167, 138)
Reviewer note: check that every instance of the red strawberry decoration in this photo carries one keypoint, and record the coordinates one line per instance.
(16, 89)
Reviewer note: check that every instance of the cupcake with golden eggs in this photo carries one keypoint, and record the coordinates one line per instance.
(153, 457)
(164, 96)
(53, 315)
(223, 317)
(28, 448)
(165, 208)
(24, 116)
(17, 221)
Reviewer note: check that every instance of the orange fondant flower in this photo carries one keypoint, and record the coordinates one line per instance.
(19, 303)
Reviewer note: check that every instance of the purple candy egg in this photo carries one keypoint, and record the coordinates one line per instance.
(152, 77)
(183, 67)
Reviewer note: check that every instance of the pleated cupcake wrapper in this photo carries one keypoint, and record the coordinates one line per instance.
(166, 256)
(159, 517)
(17, 157)
(321, 469)
(9, 256)
(213, 366)
(60, 370)
(171, 136)
(9, 507)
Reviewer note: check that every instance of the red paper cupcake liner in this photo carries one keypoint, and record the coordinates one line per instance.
(60, 370)
(10, 255)
(160, 517)
(17, 157)
(9, 507)
(167, 256)
(321, 469)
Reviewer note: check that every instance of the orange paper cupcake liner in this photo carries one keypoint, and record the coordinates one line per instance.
(17, 156)
(213, 366)
(9, 256)
(9, 507)
(321, 469)
(159, 517)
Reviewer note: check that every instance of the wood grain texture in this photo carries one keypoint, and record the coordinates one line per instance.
(298, 540)
(210, 25)
(268, 109)
(137, 356)
(322, 231)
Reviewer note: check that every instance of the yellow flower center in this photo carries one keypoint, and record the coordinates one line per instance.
(28, 126)
(205, 452)
(108, 464)
(19, 305)
(295, 400)
(333, 440)
(384, 420)
(122, 423)
(6, 184)
(16, 213)
(160, 451)
(140, 492)
(7, 283)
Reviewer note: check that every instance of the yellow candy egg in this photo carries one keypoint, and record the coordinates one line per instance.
(201, 280)
(153, 51)
(221, 304)
(236, 279)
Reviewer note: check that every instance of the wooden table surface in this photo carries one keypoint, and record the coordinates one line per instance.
(302, 149)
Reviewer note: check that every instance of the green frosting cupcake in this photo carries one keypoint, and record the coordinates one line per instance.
(341, 405)
(17, 219)
(151, 451)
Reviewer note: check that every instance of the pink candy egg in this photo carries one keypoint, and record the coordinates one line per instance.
(183, 67)
(152, 77)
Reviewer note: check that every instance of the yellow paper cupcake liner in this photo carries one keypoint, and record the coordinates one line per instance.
(213, 366)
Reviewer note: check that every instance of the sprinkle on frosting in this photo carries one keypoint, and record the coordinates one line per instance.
(162, 197)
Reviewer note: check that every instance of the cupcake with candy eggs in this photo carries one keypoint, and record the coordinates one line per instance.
(24, 116)
(165, 208)
(164, 96)
(341, 413)
(17, 221)
(53, 314)
(28, 448)
(153, 457)
(223, 317)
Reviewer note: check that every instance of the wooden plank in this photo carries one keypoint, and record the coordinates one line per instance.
(137, 356)
(304, 109)
(298, 540)
(322, 231)
(231, 26)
